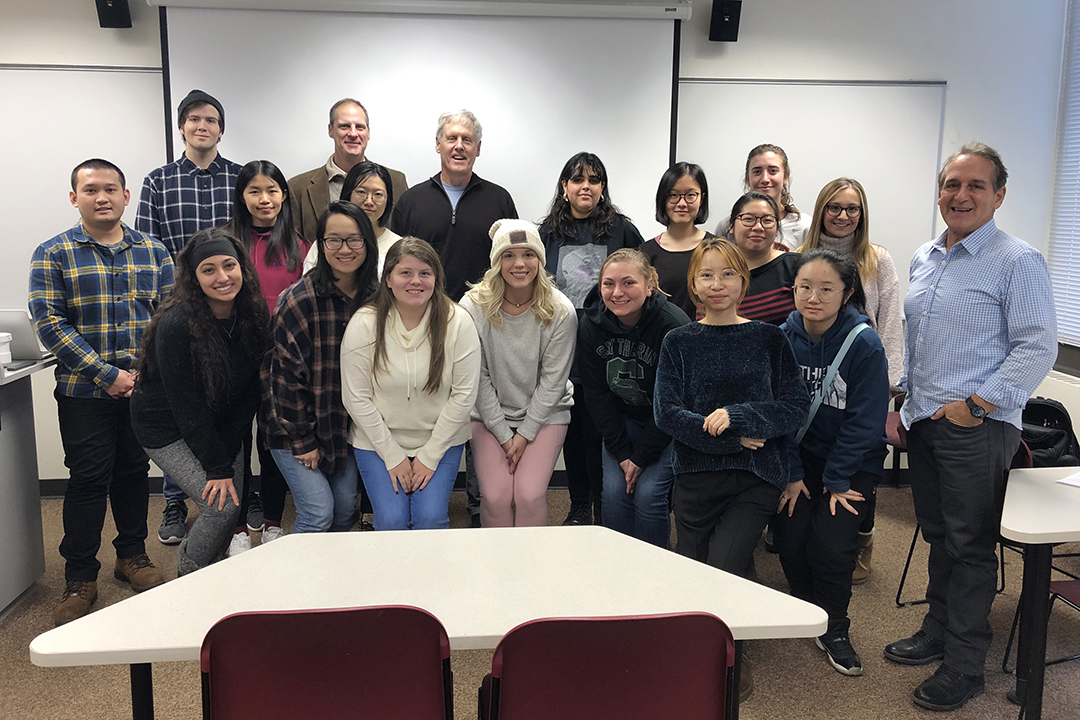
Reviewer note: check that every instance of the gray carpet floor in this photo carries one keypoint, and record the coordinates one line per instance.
(792, 678)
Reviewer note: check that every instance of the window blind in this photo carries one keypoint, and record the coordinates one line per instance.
(1064, 247)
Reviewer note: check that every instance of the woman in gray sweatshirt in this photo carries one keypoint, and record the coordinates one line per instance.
(527, 332)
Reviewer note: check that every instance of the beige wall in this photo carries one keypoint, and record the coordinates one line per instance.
(66, 32)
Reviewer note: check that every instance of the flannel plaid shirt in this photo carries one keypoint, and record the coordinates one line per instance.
(181, 198)
(91, 304)
(302, 408)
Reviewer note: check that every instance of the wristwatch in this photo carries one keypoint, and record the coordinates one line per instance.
(977, 410)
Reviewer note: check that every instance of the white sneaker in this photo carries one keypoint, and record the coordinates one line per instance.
(272, 532)
(241, 542)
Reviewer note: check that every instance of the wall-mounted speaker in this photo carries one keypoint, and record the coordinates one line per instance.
(113, 14)
(724, 24)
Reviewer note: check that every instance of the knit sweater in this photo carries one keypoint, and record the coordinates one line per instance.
(392, 414)
(524, 369)
(882, 302)
(748, 369)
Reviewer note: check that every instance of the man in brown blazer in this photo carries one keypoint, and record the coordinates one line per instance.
(311, 192)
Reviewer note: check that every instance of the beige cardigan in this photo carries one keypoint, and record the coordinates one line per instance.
(392, 414)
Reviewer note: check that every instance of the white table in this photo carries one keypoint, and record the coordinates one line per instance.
(478, 583)
(1038, 511)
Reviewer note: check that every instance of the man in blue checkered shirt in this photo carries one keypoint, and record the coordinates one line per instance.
(179, 199)
(93, 290)
(981, 336)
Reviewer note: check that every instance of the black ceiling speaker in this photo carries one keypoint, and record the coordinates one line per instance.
(724, 25)
(113, 14)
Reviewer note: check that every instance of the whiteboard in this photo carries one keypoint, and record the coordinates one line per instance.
(542, 88)
(886, 136)
(53, 120)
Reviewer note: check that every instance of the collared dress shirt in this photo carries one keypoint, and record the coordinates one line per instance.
(91, 303)
(181, 198)
(980, 319)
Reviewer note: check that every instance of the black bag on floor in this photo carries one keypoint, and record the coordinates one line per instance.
(1048, 432)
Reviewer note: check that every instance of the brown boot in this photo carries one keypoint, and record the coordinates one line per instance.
(139, 571)
(862, 564)
(78, 597)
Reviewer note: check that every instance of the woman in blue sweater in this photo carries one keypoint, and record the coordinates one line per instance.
(836, 463)
(728, 391)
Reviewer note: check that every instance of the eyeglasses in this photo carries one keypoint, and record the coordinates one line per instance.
(334, 243)
(749, 220)
(728, 277)
(824, 294)
(378, 196)
(853, 211)
(673, 198)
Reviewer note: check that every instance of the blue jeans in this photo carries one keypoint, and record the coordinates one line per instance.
(172, 491)
(322, 503)
(644, 513)
(421, 510)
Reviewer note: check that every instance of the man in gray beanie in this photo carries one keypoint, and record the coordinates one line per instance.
(193, 193)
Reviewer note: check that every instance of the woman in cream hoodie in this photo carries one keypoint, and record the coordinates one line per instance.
(410, 361)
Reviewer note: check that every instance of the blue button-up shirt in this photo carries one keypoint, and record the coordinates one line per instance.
(91, 303)
(980, 319)
(181, 198)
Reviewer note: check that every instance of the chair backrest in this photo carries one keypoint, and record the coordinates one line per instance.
(646, 666)
(386, 661)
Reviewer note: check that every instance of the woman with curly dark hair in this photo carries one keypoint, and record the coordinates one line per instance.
(581, 229)
(198, 385)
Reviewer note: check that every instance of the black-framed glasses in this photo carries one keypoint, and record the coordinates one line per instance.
(355, 242)
(692, 197)
(853, 211)
(750, 220)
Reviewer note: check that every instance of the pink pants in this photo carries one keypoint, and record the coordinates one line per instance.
(520, 499)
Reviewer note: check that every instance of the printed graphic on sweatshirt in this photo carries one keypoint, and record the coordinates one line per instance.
(626, 364)
(579, 270)
(836, 397)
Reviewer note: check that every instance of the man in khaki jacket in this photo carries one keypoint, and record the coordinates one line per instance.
(311, 192)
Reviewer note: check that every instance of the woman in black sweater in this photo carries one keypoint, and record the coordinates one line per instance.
(198, 385)
(581, 229)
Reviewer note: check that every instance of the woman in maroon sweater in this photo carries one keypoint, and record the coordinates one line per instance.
(262, 222)
(752, 226)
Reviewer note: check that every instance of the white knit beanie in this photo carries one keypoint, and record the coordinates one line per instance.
(509, 233)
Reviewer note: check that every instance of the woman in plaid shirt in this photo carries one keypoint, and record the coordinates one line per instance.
(304, 421)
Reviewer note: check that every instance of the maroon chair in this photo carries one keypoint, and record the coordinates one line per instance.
(379, 662)
(613, 668)
(1068, 592)
(897, 438)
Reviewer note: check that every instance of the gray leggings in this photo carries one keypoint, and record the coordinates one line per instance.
(210, 534)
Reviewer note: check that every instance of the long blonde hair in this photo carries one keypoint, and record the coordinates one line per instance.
(864, 253)
(441, 309)
(489, 293)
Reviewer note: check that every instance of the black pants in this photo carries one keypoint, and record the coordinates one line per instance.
(958, 485)
(106, 466)
(272, 484)
(818, 549)
(582, 454)
(719, 517)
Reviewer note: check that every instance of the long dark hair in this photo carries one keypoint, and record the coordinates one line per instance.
(846, 267)
(362, 171)
(283, 243)
(560, 220)
(441, 308)
(322, 275)
(209, 355)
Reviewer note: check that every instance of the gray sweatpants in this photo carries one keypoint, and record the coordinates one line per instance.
(210, 534)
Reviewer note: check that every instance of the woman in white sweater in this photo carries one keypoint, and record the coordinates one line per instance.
(410, 360)
(842, 222)
(527, 334)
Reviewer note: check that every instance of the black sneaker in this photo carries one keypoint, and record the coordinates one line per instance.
(173, 522)
(580, 514)
(255, 512)
(840, 653)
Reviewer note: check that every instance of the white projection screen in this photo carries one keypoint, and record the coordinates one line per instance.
(542, 88)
